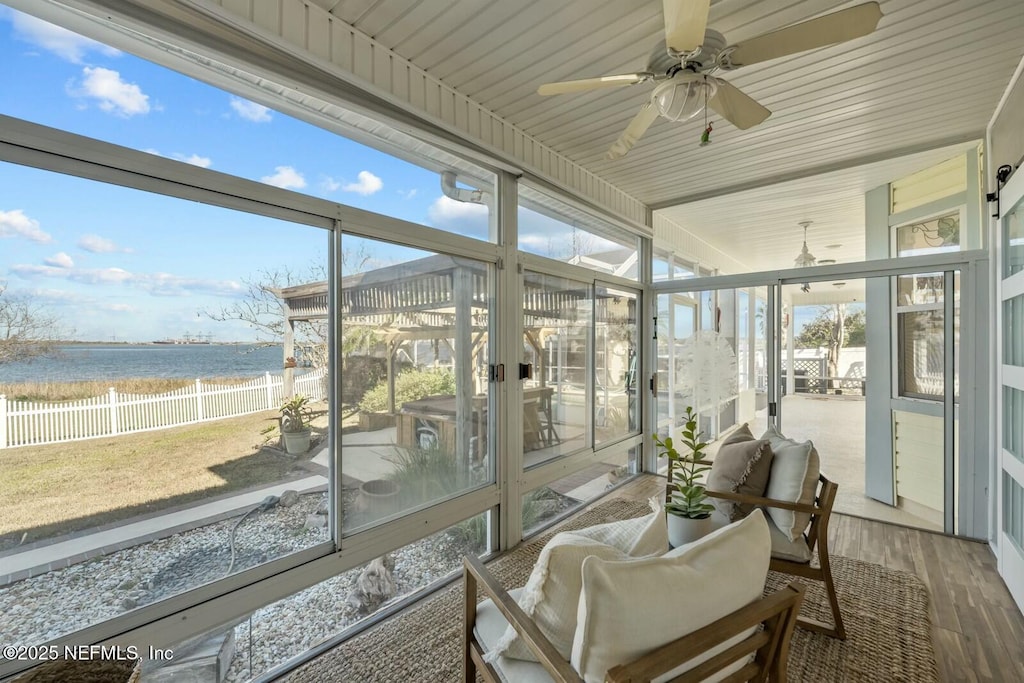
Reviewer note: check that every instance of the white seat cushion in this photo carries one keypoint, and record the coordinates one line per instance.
(782, 547)
(552, 592)
(490, 627)
(628, 608)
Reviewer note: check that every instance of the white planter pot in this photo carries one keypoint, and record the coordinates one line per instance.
(296, 443)
(683, 530)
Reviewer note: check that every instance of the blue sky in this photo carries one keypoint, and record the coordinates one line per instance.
(113, 262)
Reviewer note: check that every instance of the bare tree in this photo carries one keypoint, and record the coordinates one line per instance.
(27, 331)
(262, 311)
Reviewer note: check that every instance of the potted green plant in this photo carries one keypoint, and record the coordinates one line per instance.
(295, 430)
(689, 512)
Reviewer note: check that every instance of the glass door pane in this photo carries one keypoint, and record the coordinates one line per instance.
(712, 356)
(556, 367)
(417, 398)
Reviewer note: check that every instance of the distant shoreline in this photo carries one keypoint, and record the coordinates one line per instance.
(161, 343)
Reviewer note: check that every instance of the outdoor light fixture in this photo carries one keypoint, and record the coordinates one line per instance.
(805, 258)
(684, 95)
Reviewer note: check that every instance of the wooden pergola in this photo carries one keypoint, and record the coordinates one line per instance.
(434, 298)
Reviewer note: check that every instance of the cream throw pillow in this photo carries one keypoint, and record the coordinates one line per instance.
(628, 608)
(794, 478)
(552, 592)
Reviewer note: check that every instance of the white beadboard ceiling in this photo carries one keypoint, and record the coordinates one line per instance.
(760, 227)
(930, 77)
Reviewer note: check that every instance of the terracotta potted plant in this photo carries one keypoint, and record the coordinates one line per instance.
(689, 513)
(295, 430)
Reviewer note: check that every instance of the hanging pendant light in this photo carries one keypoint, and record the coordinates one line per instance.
(805, 258)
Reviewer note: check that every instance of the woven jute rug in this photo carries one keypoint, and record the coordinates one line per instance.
(885, 611)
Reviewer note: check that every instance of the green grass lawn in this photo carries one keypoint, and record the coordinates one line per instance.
(51, 490)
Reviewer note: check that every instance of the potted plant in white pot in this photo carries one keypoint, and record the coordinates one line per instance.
(295, 425)
(689, 513)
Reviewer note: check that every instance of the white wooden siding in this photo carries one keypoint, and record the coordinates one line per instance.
(309, 27)
(942, 180)
(918, 447)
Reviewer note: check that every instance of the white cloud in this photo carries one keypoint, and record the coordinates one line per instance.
(100, 245)
(194, 159)
(466, 218)
(445, 209)
(367, 185)
(15, 223)
(60, 41)
(250, 111)
(285, 177)
(157, 284)
(112, 94)
(60, 260)
(408, 194)
(119, 308)
(329, 184)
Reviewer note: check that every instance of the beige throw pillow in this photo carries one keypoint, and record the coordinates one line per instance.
(794, 478)
(552, 592)
(742, 465)
(628, 608)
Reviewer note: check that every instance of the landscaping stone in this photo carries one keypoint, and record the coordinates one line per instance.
(315, 521)
(289, 498)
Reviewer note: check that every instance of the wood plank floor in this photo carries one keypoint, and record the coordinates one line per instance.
(979, 632)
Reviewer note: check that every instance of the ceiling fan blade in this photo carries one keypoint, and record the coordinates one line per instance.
(736, 107)
(832, 28)
(647, 115)
(564, 87)
(685, 21)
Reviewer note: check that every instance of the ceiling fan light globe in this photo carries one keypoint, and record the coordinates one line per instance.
(679, 100)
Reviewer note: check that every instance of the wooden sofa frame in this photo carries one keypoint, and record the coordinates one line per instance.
(770, 645)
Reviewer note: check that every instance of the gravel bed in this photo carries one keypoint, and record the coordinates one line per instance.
(64, 600)
(56, 603)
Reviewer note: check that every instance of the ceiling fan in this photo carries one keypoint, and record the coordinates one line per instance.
(692, 52)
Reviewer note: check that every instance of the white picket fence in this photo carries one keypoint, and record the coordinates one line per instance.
(28, 423)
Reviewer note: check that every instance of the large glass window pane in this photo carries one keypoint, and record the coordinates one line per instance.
(143, 451)
(921, 364)
(557, 349)
(93, 90)
(270, 636)
(549, 227)
(543, 506)
(1013, 241)
(616, 404)
(416, 392)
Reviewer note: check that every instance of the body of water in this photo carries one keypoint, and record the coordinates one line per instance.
(123, 361)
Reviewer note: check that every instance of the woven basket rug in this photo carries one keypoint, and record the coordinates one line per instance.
(886, 614)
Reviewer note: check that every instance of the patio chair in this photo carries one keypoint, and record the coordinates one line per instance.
(732, 632)
(788, 556)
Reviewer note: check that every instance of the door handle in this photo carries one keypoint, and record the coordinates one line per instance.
(526, 371)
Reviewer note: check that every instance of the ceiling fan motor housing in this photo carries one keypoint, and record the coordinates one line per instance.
(704, 58)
